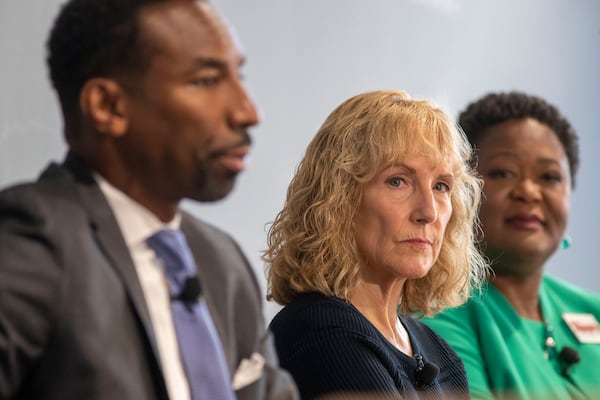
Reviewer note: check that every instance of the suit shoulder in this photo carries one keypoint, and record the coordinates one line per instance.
(55, 184)
(48, 199)
(195, 226)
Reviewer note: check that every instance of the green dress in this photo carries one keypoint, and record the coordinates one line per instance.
(504, 355)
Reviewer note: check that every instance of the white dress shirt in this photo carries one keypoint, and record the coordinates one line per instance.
(137, 224)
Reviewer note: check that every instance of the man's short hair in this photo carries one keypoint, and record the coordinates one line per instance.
(93, 38)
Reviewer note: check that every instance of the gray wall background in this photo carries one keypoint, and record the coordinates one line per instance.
(305, 57)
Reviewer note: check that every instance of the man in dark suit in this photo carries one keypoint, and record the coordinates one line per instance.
(154, 112)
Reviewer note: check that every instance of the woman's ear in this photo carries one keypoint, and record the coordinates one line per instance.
(103, 104)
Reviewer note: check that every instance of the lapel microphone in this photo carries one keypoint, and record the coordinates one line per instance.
(425, 373)
(190, 293)
(568, 356)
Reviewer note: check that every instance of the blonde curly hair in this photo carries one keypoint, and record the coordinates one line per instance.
(311, 243)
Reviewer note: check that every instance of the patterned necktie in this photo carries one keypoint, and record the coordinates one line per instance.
(199, 345)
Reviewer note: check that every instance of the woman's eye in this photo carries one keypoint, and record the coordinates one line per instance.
(500, 173)
(441, 187)
(552, 178)
(395, 182)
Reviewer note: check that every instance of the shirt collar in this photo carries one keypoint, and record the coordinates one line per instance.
(137, 223)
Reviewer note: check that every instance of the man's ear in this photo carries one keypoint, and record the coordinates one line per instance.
(103, 103)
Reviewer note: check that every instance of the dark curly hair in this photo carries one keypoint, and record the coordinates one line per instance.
(496, 108)
(92, 38)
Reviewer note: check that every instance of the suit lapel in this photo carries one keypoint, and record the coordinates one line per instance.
(203, 254)
(115, 250)
(209, 266)
(113, 246)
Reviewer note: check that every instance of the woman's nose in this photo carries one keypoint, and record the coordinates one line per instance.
(425, 209)
(526, 190)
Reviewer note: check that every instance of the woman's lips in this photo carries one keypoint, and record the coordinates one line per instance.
(525, 222)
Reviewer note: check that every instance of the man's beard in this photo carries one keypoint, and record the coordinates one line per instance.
(213, 182)
(213, 185)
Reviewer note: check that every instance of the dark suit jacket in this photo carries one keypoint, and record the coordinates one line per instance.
(73, 320)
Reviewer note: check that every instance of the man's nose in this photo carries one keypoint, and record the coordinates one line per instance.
(243, 112)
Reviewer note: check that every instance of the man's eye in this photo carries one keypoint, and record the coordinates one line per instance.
(206, 80)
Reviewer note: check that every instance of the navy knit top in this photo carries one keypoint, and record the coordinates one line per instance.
(330, 348)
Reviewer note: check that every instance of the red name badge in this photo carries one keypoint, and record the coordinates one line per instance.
(585, 327)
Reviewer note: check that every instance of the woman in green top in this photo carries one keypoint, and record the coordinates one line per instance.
(526, 336)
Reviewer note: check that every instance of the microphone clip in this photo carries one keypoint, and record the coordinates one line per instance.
(426, 372)
(190, 292)
(568, 357)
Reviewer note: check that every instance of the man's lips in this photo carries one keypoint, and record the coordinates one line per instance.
(233, 158)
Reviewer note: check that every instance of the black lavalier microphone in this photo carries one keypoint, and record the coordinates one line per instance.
(568, 356)
(425, 373)
(191, 290)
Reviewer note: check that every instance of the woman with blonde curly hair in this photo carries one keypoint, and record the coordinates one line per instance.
(379, 224)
